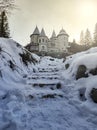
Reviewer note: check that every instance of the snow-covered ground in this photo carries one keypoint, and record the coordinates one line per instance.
(41, 94)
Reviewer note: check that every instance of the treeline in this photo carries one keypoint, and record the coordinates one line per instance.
(5, 8)
(86, 41)
(86, 38)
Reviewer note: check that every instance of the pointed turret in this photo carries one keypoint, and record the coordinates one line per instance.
(36, 31)
(42, 33)
(53, 34)
(63, 32)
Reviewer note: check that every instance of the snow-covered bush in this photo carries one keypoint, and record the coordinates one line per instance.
(82, 65)
(93, 94)
(81, 72)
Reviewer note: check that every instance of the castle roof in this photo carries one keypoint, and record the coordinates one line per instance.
(36, 31)
(53, 34)
(42, 33)
(63, 32)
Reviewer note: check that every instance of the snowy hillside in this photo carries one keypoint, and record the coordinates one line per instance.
(43, 93)
(15, 61)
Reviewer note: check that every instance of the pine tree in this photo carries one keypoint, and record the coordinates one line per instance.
(82, 38)
(88, 39)
(95, 36)
(4, 28)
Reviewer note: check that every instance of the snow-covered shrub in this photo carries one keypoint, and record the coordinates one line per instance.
(93, 94)
(82, 65)
(81, 72)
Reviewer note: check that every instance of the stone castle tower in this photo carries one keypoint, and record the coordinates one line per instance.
(40, 43)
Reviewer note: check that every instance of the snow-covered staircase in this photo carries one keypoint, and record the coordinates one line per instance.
(47, 80)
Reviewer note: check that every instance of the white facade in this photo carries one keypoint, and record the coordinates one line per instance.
(63, 41)
(57, 43)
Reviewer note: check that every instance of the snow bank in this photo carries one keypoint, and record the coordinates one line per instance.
(86, 58)
(89, 60)
(15, 62)
(71, 58)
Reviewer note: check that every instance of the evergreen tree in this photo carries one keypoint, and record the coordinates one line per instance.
(82, 38)
(88, 39)
(95, 36)
(4, 28)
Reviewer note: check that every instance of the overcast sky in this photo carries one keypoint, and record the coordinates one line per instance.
(72, 15)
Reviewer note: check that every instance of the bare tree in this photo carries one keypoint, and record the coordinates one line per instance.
(6, 5)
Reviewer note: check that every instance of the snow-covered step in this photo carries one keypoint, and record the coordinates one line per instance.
(48, 69)
(48, 73)
(44, 93)
(51, 86)
(43, 81)
(42, 71)
(44, 77)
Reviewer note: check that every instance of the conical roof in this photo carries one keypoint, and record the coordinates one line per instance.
(36, 31)
(42, 33)
(62, 31)
(53, 34)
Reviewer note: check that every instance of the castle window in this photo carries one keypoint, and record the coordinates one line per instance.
(42, 40)
(39, 40)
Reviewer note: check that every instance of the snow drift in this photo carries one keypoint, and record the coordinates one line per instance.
(86, 59)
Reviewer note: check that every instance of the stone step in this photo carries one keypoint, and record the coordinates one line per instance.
(52, 86)
(46, 74)
(44, 77)
(44, 81)
(46, 71)
(44, 95)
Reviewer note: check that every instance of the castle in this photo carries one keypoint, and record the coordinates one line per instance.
(40, 43)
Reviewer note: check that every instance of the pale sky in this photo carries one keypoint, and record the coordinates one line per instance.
(72, 15)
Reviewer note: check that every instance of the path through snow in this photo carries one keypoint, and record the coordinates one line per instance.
(36, 109)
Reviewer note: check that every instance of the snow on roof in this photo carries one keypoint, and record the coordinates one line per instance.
(36, 31)
(42, 33)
